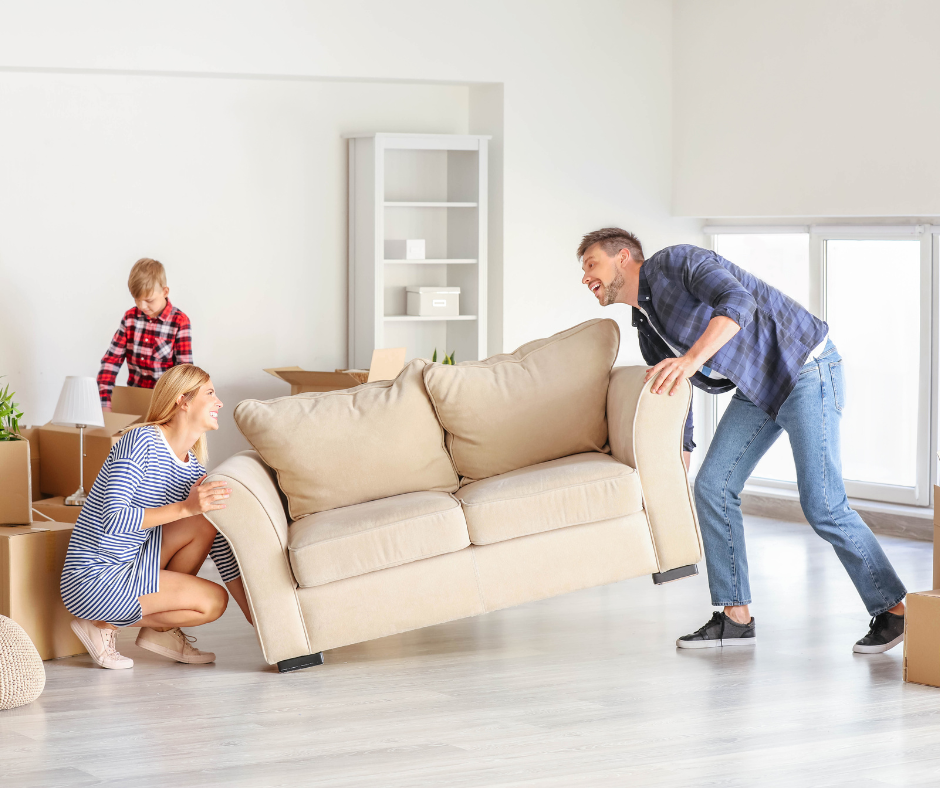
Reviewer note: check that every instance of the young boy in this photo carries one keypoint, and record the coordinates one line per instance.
(153, 336)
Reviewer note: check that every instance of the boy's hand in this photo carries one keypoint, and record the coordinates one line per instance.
(106, 407)
(205, 497)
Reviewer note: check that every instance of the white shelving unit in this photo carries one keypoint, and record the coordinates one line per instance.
(430, 186)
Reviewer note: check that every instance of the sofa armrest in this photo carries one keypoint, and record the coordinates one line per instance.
(255, 525)
(645, 432)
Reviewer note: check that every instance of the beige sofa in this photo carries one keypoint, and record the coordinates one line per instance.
(454, 491)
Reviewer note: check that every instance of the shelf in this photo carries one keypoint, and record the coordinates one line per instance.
(451, 261)
(389, 204)
(402, 318)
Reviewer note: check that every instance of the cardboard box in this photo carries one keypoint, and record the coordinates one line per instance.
(387, 363)
(32, 435)
(16, 496)
(125, 399)
(922, 638)
(58, 471)
(936, 537)
(54, 510)
(31, 560)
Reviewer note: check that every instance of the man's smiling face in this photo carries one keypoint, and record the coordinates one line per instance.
(603, 274)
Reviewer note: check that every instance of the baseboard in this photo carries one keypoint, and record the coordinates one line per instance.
(907, 522)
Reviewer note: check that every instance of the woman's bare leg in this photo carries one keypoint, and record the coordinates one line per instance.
(183, 549)
(182, 601)
(186, 543)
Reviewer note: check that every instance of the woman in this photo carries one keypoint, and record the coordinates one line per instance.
(141, 536)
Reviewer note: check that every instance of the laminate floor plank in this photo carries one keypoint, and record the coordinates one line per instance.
(587, 689)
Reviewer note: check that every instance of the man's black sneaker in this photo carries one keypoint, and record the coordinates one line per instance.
(884, 632)
(720, 631)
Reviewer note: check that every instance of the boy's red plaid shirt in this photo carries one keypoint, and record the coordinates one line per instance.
(151, 346)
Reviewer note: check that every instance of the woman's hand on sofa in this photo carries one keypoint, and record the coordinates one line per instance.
(205, 497)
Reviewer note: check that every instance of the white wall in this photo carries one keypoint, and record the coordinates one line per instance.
(806, 108)
(246, 189)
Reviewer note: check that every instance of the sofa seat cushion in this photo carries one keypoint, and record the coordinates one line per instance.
(583, 488)
(366, 537)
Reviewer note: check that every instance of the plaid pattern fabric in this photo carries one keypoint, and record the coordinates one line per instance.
(151, 346)
(683, 287)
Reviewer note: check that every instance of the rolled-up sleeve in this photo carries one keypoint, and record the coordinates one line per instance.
(120, 517)
(711, 283)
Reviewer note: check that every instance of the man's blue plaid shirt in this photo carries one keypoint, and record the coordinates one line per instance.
(683, 287)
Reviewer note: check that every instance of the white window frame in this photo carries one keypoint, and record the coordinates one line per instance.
(922, 493)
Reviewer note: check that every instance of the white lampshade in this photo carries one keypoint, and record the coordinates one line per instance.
(79, 404)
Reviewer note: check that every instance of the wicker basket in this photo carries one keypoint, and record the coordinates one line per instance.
(22, 676)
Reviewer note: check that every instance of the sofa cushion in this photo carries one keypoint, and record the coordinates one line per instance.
(585, 488)
(547, 400)
(340, 448)
(354, 540)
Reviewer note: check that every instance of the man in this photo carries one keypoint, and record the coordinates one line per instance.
(702, 318)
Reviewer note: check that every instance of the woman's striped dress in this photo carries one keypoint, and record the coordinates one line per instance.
(111, 560)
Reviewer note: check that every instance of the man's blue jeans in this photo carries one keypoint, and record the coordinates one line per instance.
(810, 417)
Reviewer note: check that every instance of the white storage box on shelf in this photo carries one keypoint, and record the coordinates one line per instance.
(434, 301)
(411, 249)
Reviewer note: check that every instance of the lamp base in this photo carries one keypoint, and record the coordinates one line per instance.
(77, 498)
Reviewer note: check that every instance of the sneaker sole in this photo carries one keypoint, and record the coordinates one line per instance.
(878, 649)
(716, 643)
(174, 655)
(80, 634)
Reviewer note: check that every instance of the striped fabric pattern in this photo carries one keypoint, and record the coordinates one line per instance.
(111, 560)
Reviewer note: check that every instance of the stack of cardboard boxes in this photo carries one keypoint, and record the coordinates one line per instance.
(35, 524)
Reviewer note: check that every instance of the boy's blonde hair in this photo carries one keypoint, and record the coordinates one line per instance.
(146, 276)
(185, 380)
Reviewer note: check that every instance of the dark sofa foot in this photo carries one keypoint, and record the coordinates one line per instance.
(675, 574)
(299, 663)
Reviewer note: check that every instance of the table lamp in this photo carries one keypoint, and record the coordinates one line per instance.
(79, 406)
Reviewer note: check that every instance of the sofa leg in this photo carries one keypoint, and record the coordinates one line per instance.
(299, 663)
(675, 574)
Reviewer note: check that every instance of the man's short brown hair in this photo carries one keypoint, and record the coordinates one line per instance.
(612, 240)
(146, 276)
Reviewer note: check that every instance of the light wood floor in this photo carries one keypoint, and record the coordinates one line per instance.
(581, 690)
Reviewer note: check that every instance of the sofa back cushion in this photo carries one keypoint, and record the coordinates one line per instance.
(546, 400)
(340, 448)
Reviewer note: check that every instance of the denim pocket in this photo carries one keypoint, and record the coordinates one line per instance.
(838, 384)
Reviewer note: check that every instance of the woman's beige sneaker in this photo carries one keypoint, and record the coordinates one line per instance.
(175, 644)
(101, 645)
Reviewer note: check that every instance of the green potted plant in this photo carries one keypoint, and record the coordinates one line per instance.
(15, 488)
(447, 359)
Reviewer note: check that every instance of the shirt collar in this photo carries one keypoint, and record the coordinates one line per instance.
(163, 316)
(644, 295)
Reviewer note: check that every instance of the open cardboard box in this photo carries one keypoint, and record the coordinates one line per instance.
(58, 470)
(386, 364)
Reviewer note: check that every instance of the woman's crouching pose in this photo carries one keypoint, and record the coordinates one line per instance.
(141, 536)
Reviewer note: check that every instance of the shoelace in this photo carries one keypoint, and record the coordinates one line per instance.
(707, 624)
(109, 639)
(188, 640)
(877, 624)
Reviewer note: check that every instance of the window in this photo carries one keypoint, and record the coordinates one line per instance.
(873, 285)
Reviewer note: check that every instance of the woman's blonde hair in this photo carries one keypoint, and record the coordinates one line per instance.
(182, 380)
